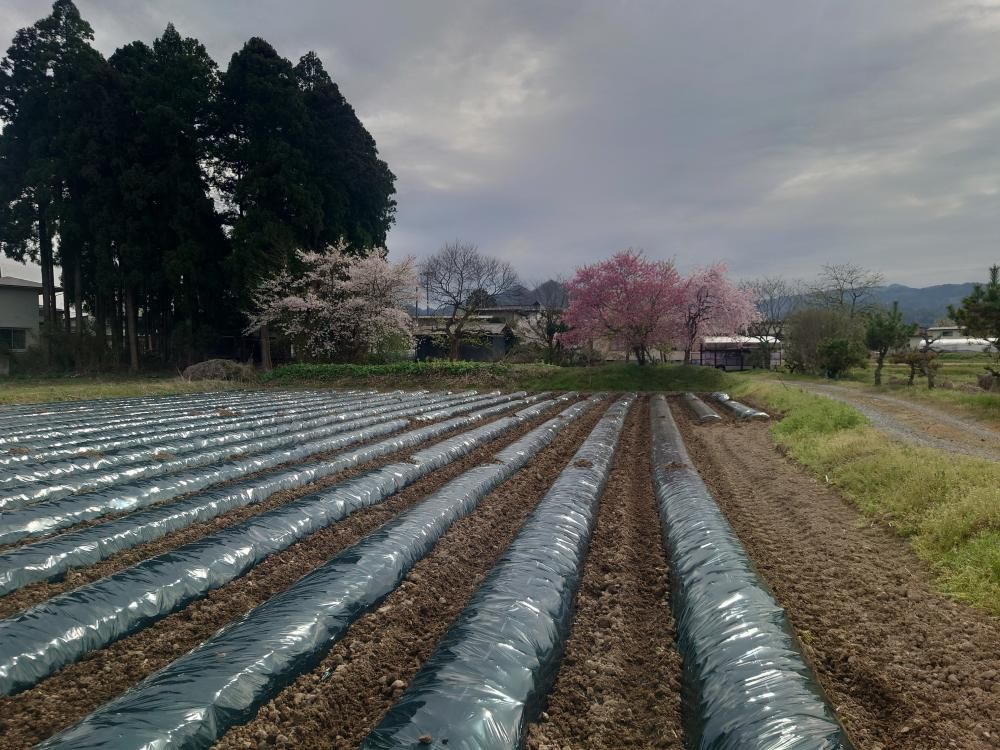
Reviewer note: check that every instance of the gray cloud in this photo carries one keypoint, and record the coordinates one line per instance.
(775, 136)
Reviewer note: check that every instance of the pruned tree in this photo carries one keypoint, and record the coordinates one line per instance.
(626, 299)
(774, 298)
(337, 306)
(979, 315)
(847, 286)
(461, 281)
(808, 328)
(712, 306)
(546, 323)
(928, 356)
(885, 331)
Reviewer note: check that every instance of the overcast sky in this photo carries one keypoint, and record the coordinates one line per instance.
(776, 136)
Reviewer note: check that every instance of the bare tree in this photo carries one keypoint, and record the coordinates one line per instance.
(775, 299)
(550, 298)
(461, 281)
(847, 286)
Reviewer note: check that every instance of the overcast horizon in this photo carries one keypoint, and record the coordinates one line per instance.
(775, 138)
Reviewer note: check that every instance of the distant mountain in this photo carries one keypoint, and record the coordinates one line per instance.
(926, 304)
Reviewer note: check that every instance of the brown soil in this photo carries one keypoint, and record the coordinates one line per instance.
(340, 702)
(69, 695)
(619, 683)
(39, 592)
(906, 668)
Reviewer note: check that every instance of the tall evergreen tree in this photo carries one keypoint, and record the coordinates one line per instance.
(35, 81)
(171, 245)
(354, 185)
(261, 166)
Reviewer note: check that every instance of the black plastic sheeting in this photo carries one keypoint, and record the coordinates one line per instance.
(745, 682)
(50, 558)
(206, 427)
(492, 671)
(27, 469)
(51, 515)
(61, 479)
(62, 417)
(50, 635)
(192, 702)
(740, 410)
(700, 409)
(89, 431)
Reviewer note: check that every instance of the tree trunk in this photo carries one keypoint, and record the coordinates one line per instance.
(67, 322)
(133, 334)
(687, 355)
(116, 329)
(879, 361)
(265, 348)
(101, 328)
(78, 302)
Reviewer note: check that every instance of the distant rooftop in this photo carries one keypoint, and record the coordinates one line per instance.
(23, 283)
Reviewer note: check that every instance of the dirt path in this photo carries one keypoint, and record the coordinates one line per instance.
(619, 682)
(905, 668)
(916, 423)
(337, 704)
(69, 695)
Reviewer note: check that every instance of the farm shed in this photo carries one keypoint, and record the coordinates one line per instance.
(481, 341)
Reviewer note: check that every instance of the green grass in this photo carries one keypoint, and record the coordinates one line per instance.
(948, 506)
(612, 377)
(957, 389)
(37, 390)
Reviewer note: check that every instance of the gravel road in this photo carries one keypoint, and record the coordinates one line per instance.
(915, 423)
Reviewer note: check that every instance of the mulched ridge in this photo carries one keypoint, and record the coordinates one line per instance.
(905, 667)
(72, 693)
(337, 704)
(39, 592)
(220, 485)
(619, 682)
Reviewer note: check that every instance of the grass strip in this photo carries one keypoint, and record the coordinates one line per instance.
(948, 506)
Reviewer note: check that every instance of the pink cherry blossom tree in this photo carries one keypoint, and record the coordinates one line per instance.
(628, 300)
(338, 306)
(712, 306)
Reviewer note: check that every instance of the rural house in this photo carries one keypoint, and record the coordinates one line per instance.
(18, 313)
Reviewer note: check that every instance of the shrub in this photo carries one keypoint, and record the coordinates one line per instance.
(220, 369)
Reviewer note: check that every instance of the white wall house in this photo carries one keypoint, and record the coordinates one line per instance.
(18, 313)
(950, 338)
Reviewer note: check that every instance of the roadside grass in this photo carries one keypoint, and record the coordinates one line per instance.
(38, 390)
(947, 506)
(532, 377)
(957, 391)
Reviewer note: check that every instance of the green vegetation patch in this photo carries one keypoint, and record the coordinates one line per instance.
(612, 377)
(948, 506)
(337, 372)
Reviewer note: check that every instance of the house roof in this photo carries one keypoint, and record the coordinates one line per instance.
(22, 283)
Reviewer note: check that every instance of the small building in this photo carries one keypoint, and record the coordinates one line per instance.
(948, 336)
(730, 353)
(19, 319)
(482, 340)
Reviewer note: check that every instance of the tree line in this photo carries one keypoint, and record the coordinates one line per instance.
(166, 189)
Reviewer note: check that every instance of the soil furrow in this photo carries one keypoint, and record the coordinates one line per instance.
(69, 695)
(337, 704)
(39, 592)
(619, 682)
(904, 667)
